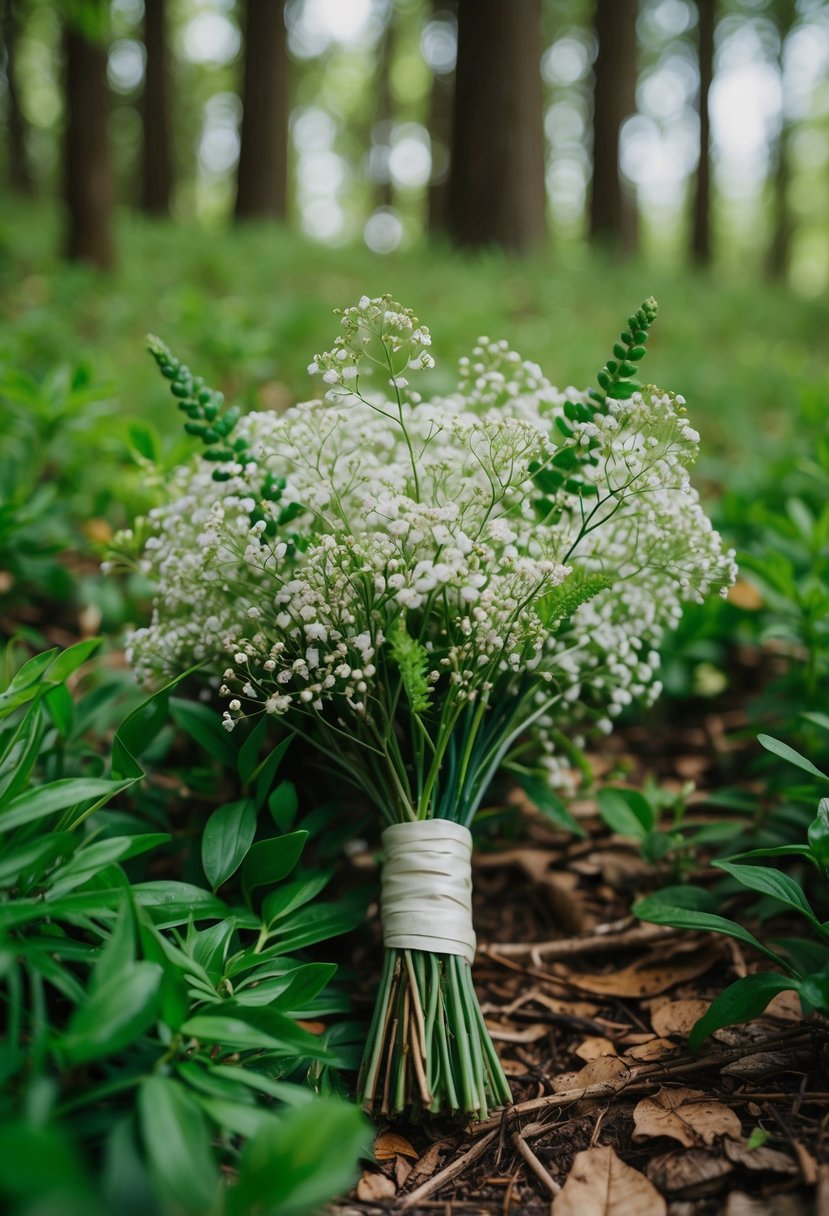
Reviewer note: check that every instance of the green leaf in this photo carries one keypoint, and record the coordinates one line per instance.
(269, 861)
(818, 835)
(246, 1028)
(91, 859)
(174, 903)
(228, 835)
(203, 725)
(265, 772)
(283, 805)
(115, 1014)
(814, 992)
(315, 923)
(61, 707)
(293, 1167)
(743, 1000)
(784, 752)
(32, 858)
(768, 881)
(289, 896)
(292, 992)
(549, 803)
(69, 660)
(626, 812)
(283, 1091)
(58, 796)
(177, 1140)
(652, 909)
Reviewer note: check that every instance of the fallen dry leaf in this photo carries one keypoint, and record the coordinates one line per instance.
(686, 1115)
(389, 1144)
(599, 1184)
(374, 1186)
(527, 1034)
(608, 1071)
(645, 978)
(653, 1049)
(768, 1160)
(402, 1171)
(594, 1046)
(689, 1173)
(677, 1017)
(429, 1162)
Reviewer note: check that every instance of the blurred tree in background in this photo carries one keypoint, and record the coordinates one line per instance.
(688, 128)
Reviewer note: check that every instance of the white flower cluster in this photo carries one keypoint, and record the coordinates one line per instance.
(470, 522)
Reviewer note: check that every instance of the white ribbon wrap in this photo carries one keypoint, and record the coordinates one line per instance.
(427, 887)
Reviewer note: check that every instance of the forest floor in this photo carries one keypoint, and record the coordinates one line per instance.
(590, 1011)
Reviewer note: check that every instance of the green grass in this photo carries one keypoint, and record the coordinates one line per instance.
(248, 309)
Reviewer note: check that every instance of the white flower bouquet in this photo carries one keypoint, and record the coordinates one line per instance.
(420, 588)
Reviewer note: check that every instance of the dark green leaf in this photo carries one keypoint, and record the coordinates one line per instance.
(549, 803)
(269, 861)
(784, 752)
(177, 1140)
(283, 805)
(114, 1014)
(652, 909)
(768, 881)
(626, 811)
(740, 1002)
(228, 834)
(57, 796)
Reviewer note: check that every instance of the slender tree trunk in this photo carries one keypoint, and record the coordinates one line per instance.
(88, 184)
(701, 228)
(263, 158)
(20, 176)
(156, 180)
(496, 191)
(777, 261)
(383, 113)
(612, 210)
(441, 104)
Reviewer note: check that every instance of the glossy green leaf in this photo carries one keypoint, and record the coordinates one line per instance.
(626, 812)
(293, 1167)
(784, 752)
(818, 835)
(243, 1028)
(177, 1140)
(174, 903)
(69, 660)
(283, 805)
(269, 861)
(115, 1014)
(289, 896)
(45, 800)
(768, 881)
(32, 858)
(549, 803)
(743, 1000)
(652, 909)
(227, 837)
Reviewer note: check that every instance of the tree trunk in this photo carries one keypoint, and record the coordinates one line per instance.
(156, 181)
(88, 184)
(777, 263)
(701, 229)
(263, 158)
(612, 209)
(384, 109)
(20, 176)
(496, 191)
(441, 101)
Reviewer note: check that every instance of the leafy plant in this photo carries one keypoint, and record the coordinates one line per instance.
(802, 964)
(151, 1032)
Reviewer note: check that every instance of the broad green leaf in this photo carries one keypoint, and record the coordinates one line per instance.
(203, 724)
(177, 1140)
(245, 1028)
(283, 805)
(228, 835)
(69, 660)
(780, 850)
(61, 707)
(290, 993)
(45, 800)
(174, 903)
(312, 924)
(549, 803)
(626, 811)
(239, 1118)
(784, 752)
(115, 1014)
(768, 881)
(118, 950)
(293, 1167)
(25, 685)
(269, 861)
(653, 910)
(91, 859)
(283, 1091)
(814, 992)
(740, 1002)
(289, 896)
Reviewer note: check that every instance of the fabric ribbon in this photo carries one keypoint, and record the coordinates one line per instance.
(427, 887)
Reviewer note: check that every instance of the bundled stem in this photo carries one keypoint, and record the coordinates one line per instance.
(428, 1047)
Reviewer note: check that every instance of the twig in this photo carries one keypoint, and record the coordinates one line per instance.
(449, 1172)
(535, 1165)
(593, 943)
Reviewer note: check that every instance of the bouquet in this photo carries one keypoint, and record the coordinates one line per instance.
(423, 590)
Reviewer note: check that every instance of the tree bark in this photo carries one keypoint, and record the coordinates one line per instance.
(20, 175)
(496, 193)
(384, 110)
(156, 178)
(701, 228)
(612, 209)
(441, 105)
(263, 158)
(777, 261)
(88, 183)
